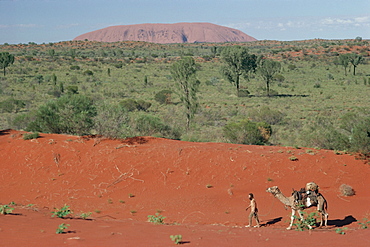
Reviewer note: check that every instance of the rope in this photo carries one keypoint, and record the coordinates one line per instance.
(272, 204)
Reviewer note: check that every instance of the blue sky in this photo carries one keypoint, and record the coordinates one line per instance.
(23, 21)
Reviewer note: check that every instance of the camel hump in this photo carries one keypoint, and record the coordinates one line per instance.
(312, 186)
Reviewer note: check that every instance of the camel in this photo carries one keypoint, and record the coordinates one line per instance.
(292, 203)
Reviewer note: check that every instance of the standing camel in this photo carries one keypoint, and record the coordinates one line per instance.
(292, 203)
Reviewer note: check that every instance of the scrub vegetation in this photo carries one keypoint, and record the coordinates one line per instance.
(316, 93)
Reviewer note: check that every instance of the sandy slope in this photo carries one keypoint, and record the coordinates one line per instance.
(167, 33)
(202, 187)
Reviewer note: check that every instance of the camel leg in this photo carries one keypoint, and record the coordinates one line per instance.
(326, 216)
(291, 219)
(321, 218)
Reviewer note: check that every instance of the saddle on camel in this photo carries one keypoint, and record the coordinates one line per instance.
(307, 196)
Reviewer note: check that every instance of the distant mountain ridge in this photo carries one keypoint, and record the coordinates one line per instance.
(168, 33)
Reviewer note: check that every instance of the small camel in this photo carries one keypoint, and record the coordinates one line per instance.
(291, 202)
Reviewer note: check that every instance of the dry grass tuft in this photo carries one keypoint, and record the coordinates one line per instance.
(346, 190)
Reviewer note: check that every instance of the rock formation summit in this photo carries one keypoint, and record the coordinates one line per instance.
(168, 33)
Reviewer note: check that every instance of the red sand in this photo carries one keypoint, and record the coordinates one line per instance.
(95, 174)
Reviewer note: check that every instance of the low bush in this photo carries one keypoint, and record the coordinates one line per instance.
(112, 121)
(149, 125)
(11, 105)
(247, 132)
(163, 97)
(61, 212)
(132, 105)
(70, 114)
(61, 228)
(156, 219)
(30, 136)
(5, 209)
(346, 190)
(265, 114)
(177, 239)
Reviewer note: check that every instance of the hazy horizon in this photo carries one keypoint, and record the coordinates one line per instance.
(43, 21)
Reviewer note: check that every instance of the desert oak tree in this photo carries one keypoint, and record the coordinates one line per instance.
(237, 62)
(6, 59)
(183, 72)
(267, 69)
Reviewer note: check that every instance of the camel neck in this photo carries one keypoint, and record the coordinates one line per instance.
(282, 198)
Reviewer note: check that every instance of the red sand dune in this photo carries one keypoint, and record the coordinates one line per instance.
(201, 189)
(168, 33)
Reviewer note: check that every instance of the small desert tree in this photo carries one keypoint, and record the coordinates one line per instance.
(6, 59)
(183, 72)
(237, 62)
(344, 61)
(267, 69)
(355, 60)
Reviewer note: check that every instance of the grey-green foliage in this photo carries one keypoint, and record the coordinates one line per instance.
(351, 133)
(150, 125)
(247, 132)
(11, 105)
(70, 114)
(265, 114)
(344, 61)
(357, 127)
(6, 59)
(132, 105)
(309, 221)
(267, 69)
(163, 96)
(112, 121)
(237, 62)
(156, 219)
(355, 60)
(184, 73)
(322, 133)
(30, 136)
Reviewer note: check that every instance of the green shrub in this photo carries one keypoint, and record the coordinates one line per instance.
(267, 115)
(143, 105)
(246, 132)
(365, 223)
(243, 93)
(322, 133)
(279, 78)
(112, 121)
(74, 67)
(61, 228)
(88, 72)
(341, 231)
(163, 97)
(70, 114)
(11, 105)
(30, 136)
(149, 125)
(307, 223)
(177, 239)
(129, 104)
(62, 212)
(156, 219)
(85, 215)
(132, 105)
(72, 89)
(5, 209)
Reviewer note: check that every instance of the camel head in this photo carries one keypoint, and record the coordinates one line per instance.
(274, 190)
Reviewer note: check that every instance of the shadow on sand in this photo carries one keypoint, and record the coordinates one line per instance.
(339, 223)
(273, 221)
